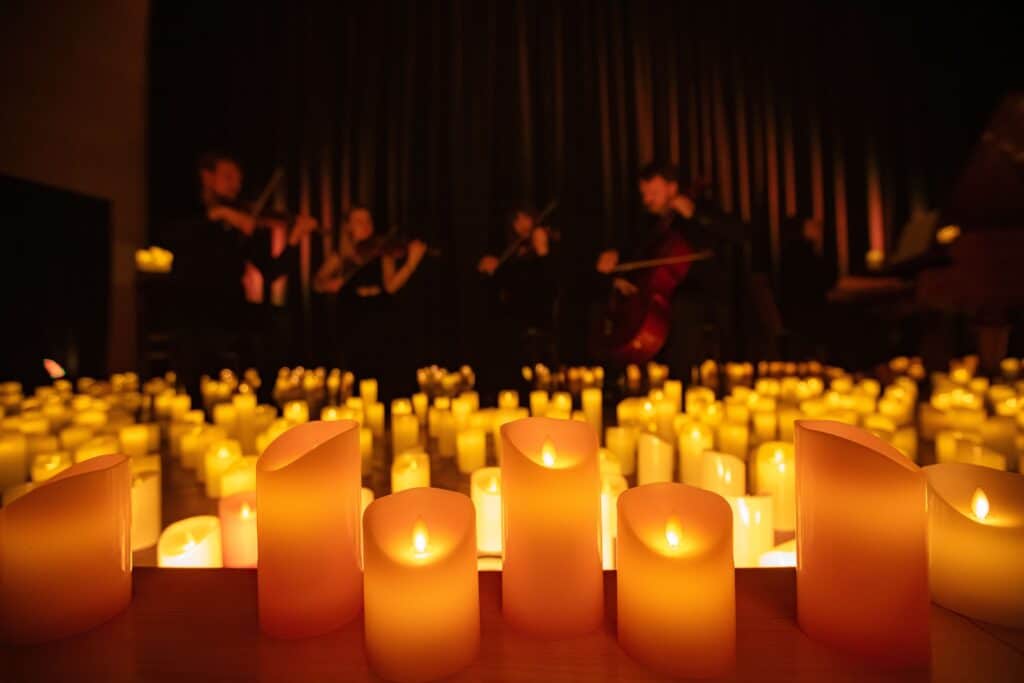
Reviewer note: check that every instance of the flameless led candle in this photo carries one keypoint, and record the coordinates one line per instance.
(775, 475)
(612, 486)
(693, 441)
(462, 406)
(861, 522)
(146, 501)
(237, 515)
(592, 407)
(225, 415)
(753, 532)
(508, 399)
(561, 401)
(296, 412)
(219, 458)
(82, 575)
(365, 447)
(193, 542)
(552, 583)
(734, 439)
(946, 443)
(135, 439)
(676, 586)
(239, 476)
(13, 459)
(375, 418)
(195, 443)
(48, 465)
(470, 450)
(405, 433)
(673, 389)
(485, 490)
(976, 454)
(998, 434)
(538, 403)
(97, 446)
(446, 433)
(765, 423)
(421, 601)
(654, 459)
(696, 399)
(723, 474)
(622, 442)
(976, 542)
(410, 470)
(368, 390)
(308, 495)
(70, 438)
(420, 402)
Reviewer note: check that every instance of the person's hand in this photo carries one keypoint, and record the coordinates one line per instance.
(624, 286)
(304, 224)
(607, 260)
(684, 206)
(488, 264)
(417, 249)
(540, 239)
(237, 219)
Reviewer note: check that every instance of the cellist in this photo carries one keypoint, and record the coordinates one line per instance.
(699, 300)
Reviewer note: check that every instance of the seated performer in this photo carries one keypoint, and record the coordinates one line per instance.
(522, 297)
(213, 248)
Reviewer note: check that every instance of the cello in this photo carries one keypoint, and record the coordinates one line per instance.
(634, 328)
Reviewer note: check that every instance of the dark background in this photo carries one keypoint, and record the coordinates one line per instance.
(441, 116)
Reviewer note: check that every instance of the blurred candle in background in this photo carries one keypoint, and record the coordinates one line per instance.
(723, 474)
(237, 515)
(654, 460)
(485, 489)
(193, 542)
(410, 470)
(147, 509)
(470, 450)
(693, 440)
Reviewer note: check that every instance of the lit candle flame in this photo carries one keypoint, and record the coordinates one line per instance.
(547, 453)
(420, 536)
(672, 533)
(492, 485)
(189, 541)
(979, 504)
(778, 456)
(246, 511)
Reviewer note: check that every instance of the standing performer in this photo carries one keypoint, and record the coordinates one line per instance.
(213, 247)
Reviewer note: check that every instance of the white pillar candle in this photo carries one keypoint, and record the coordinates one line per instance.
(146, 501)
(237, 515)
(239, 477)
(733, 439)
(485, 490)
(135, 440)
(48, 465)
(654, 460)
(612, 486)
(471, 450)
(191, 542)
(775, 476)
(219, 457)
(296, 412)
(366, 448)
(72, 437)
(508, 399)
(368, 390)
(723, 474)
(765, 425)
(405, 433)
(947, 443)
(622, 442)
(561, 401)
(225, 416)
(976, 454)
(97, 446)
(753, 532)
(420, 403)
(673, 390)
(446, 430)
(593, 407)
(693, 441)
(374, 413)
(538, 403)
(410, 470)
(697, 399)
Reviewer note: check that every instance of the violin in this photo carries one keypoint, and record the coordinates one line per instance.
(518, 243)
(262, 215)
(366, 252)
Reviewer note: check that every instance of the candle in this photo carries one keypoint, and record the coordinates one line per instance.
(225, 415)
(462, 406)
(368, 390)
(976, 454)
(97, 446)
(485, 490)
(861, 521)
(400, 406)
(219, 457)
(375, 418)
(976, 540)
(196, 442)
(664, 419)
(70, 437)
(13, 459)
(737, 410)
(308, 492)
(676, 592)
(593, 406)
(296, 412)
(81, 575)
(723, 474)
(237, 515)
(998, 433)
(135, 439)
(696, 399)
(775, 475)
(446, 433)
(410, 470)
(765, 423)
(538, 403)
(420, 401)
(508, 399)
(48, 465)
(239, 476)
(179, 404)
(946, 443)
(733, 439)
(673, 390)
(193, 542)
(421, 602)
(146, 501)
(654, 460)
(405, 433)
(470, 450)
(622, 442)
(693, 441)
(561, 401)
(753, 532)
(552, 583)
(612, 486)
(782, 555)
(365, 448)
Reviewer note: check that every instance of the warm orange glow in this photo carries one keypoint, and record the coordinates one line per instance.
(979, 504)
(947, 234)
(420, 537)
(673, 532)
(492, 485)
(246, 511)
(547, 453)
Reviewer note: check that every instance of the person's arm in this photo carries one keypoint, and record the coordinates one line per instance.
(395, 277)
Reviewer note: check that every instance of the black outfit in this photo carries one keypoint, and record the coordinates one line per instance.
(804, 281)
(365, 322)
(216, 327)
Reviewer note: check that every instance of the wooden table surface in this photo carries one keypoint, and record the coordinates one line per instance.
(201, 625)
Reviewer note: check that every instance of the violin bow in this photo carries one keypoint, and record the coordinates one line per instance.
(630, 266)
(511, 249)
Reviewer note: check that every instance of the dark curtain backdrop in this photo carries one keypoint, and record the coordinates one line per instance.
(441, 116)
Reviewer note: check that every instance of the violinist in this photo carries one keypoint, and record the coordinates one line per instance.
(213, 248)
(697, 302)
(520, 277)
(365, 274)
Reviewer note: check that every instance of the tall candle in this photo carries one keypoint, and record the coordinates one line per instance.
(237, 515)
(470, 450)
(676, 589)
(592, 407)
(146, 501)
(673, 389)
(693, 441)
(307, 492)
(219, 457)
(549, 471)
(240, 476)
(375, 418)
(13, 459)
(135, 439)
(485, 489)
(193, 542)
(723, 474)
(368, 390)
(97, 446)
(405, 433)
(296, 412)
(410, 470)
(765, 424)
(976, 542)
(508, 399)
(81, 576)
(753, 532)
(622, 442)
(733, 439)
(775, 476)
(654, 459)
(421, 601)
(612, 486)
(225, 415)
(365, 448)
(861, 521)
(561, 401)
(70, 438)
(420, 402)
